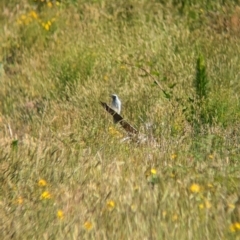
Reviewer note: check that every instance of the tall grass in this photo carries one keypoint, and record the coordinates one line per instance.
(65, 171)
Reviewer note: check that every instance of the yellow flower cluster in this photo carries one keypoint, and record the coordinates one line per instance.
(45, 195)
(234, 227)
(26, 19)
(197, 189)
(46, 25)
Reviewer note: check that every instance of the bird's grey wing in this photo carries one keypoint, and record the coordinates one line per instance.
(119, 119)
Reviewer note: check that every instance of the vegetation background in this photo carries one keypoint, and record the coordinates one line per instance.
(65, 172)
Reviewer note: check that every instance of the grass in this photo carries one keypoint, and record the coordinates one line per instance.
(64, 171)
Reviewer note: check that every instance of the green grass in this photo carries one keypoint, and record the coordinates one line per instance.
(174, 65)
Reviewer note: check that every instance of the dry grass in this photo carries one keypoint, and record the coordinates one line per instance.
(65, 172)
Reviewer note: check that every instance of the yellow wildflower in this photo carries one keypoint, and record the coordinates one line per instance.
(230, 205)
(153, 171)
(235, 227)
(19, 200)
(110, 205)
(46, 26)
(201, 206)
(211, 156)
(42, 183)
(151, 176)
(49, 4)
(88, 225)
(23, 17)
(33, 14)
(60, 214)
(57, 3)
(173, 156)
(175, 217)
(45, 195)
(195, 188)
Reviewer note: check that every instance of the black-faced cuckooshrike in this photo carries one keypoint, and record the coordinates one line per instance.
(115, 110)
(116, 103)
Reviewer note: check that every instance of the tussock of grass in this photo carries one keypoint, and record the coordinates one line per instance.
(64, 171)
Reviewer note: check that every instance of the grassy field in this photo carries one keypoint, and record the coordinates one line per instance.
(65, 172)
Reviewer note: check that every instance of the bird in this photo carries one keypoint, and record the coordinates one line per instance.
(115, 110)
(116, 103)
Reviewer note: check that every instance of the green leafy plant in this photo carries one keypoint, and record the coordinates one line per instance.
(199, 114)
(201, 81)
